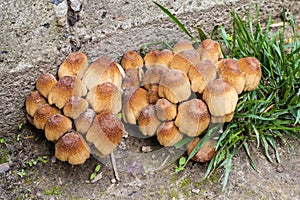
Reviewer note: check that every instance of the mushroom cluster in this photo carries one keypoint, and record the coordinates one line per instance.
(167, 94)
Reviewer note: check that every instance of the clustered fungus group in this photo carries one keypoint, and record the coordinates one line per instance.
(170, 94)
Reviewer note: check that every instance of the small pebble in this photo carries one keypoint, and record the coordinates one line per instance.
(113, 181)
(97, 178)
(4, 167)
(146, 149)
(195, 191)
(75, 5)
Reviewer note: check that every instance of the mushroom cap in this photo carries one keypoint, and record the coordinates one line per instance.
(205, 153)
(174, 86)
(106, 132)
(64, 89)
(250, 67)
(164, 57)
(56, 126)
(193, 117)
(133, 77)
(184, 60)
(134, 101)
(168, 134)
(148, 121)
(220, 97)
(183, 45)
(74, 65)
(44, 83)
(75, 106)
(42, 114)
(151, 58)
(33, 101)
(210, 50)
(105, 97)
(165, 110)
(153, 94)
(72, 148)
(153, 75)
(84, 121)
(228, 69)
(201, 75)
(132, 59)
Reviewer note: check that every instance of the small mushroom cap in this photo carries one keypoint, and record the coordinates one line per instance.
(133, 77)
(134, 101)
(72, 148)
(64, 89)
(84, 121)
(153, 94)
(151, 58)
(105, 97)
(201, 75)
(164, 57)
(33, 101)
(165, 110)
(193, 117)
(174, 86)
(153, 75)
(132, 59)
(74, 65)
(250, 67)
(75, 106)
(184, 60)
(148, 121)
(42, 114)
(205, 153)
(168, 134)
(183, 45)
(56, 126)
(106, 132)
(44, 83)
(210, 50)
(220, 97)
(228, 69)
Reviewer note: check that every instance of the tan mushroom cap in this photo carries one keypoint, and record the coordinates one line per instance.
(184, 60)
(64, 89)
(228, 69)
(174, 86)
(75, 106)
(151, 58)
(221, 99)
(56, 126)
(201, 75)
(183, 45)
(205, 153)
(44, 83)
(74, 65)
(72, 148)
(250, 67)
(164, 57)
(168, 134)
(193, 117)
(153, 94)
(133, 77)
(132, 59)
(105, 97)
(148, 121)
(33, 101)
(106, 132)
(42, 114)
(165, 110)
(210, 50)
(134, 101)
(153, 75)
(84, 121)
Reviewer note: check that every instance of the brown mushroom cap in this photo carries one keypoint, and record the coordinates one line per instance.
(132, 59)
(165, 110)
(228, 69)
(133, 77)
(33, 102)
(84, 121)
(205, 153)
(148, 121)
(210, 50)
(42, 114)
(164, 57)
(105, 97)
(168, 134)
(183, 45)
(106, 132)
(74, 65)
(72, 148)
(174, 86)
(134, 101)
(151, 57)
(75, 106)
(250, 67)
(193, 117)
(64, 89)
(184, 60)
(201, 75)
(44, 83)
(153, 75)
(56, 126)
(153, 94)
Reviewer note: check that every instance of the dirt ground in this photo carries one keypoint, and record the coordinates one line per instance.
(32, 46)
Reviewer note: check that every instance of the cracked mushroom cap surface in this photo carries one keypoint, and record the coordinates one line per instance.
(56, 126)
(44, 84)
(168, 134)
(33, 101)
(210, 50)
(250, 67)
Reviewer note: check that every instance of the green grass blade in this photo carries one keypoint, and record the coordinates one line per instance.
(246, 147)
(227, 168)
